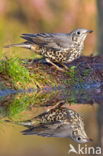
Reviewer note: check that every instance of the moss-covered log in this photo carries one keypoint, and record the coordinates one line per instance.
(22, 74)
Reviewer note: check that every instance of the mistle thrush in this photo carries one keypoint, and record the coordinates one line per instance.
(56, 47)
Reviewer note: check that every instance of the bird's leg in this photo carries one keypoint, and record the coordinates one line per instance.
(54, 64)
(66, 67)
(57, 105)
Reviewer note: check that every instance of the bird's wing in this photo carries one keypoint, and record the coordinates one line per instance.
(41, 130)
(48, 40)
(48, 130)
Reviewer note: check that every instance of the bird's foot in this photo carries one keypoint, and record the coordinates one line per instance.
(56, 66)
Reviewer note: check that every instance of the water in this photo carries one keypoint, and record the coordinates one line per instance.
(22, 105)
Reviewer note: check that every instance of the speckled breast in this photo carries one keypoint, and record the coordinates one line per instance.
(63, 55)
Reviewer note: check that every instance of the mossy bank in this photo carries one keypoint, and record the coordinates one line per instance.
(16, 73)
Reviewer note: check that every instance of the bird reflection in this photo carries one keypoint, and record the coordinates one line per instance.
(57, 122)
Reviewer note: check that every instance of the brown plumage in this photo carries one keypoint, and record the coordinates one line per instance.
(55, 47)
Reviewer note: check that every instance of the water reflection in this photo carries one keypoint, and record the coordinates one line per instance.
(25, 106)
(56, 122)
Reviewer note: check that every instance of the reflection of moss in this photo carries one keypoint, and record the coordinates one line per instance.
(21, 77)
(22, 102)
(75, 96)
(18, 105)
(2, 112)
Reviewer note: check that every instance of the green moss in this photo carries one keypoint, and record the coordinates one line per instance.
(22, 77)
(72, 73)
(76, 76)
(15, 71)
(2, 86)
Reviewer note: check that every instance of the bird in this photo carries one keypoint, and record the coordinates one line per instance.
(56, 48)
(57, 122)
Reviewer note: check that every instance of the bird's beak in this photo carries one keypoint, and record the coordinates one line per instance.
(89, 31)
(89, 139)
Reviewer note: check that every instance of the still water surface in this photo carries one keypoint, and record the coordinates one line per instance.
(25, 105)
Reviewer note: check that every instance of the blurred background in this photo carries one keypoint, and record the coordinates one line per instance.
(34, 16)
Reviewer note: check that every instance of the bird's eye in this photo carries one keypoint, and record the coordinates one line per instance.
(78, 32)
(78, 138)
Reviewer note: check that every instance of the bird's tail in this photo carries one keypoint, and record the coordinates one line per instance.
(27, 123)
(22, 45)
(28, 131)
